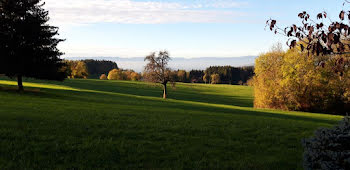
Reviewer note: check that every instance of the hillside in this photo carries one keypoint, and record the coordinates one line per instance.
(119, 124)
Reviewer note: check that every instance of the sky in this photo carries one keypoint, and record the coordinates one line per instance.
(186, 28)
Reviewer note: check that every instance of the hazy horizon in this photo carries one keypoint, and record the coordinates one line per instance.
(201, 63)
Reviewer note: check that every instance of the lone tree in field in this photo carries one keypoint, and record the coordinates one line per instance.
(157, 70)
(28, 47)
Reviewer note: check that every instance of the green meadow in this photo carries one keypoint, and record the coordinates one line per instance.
(94, 124)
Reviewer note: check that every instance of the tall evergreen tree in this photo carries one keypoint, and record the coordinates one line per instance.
(28, 47)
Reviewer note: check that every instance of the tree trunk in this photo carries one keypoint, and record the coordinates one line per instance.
(20, 83)
(165, 91)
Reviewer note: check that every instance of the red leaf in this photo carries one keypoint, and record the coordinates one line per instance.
(273, 23)
(302, 47)
(301, 15)
(331, 37)
(337, 25)
(342, 15)
(293, 44)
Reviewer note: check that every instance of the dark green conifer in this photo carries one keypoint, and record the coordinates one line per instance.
(28, 44)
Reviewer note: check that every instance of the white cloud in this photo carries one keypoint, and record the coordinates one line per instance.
(69, 12)
(217, 3)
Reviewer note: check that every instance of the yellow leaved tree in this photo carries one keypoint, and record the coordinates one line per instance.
(296, 80)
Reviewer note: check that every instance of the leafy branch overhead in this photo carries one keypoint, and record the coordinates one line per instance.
(321, 36)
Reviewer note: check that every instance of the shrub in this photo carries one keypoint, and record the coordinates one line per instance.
(103, 77)
(135, 76)
(250, 82)
(329, 148)
(115, 74)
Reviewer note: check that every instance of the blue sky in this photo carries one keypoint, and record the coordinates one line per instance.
(187, 28)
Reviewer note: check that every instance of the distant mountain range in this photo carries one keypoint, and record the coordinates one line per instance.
(137, 63)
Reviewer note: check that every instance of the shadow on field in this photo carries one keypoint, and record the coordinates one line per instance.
(155, 103)
(154, 90)
(187, 92)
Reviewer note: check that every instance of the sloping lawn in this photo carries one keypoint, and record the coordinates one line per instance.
(88, 124)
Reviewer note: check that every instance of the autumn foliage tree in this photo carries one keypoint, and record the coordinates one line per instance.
(206, 78)
(157, 70)
(135, 76)
(131, 75)
(115, 74)
(103, 77)
(119, 74)
(267, 76)
(215, 79)
(76, 69)
(293, 80)
(326, 45)
(28, 44)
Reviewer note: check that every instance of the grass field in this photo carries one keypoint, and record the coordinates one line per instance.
(88, 124)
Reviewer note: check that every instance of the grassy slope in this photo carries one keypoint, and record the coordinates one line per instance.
(116, 124)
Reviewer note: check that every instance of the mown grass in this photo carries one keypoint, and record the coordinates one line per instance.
(88, 124)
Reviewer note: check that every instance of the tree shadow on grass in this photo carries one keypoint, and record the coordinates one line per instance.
(141, 89)
(148, 89)
(128, 100)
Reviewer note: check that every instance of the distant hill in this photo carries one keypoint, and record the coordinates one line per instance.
(202, 63)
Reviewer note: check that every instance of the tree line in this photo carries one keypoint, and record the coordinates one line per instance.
(157, 71)
(108, 70)
(88, 68)
(98, 69)
(216, 75)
